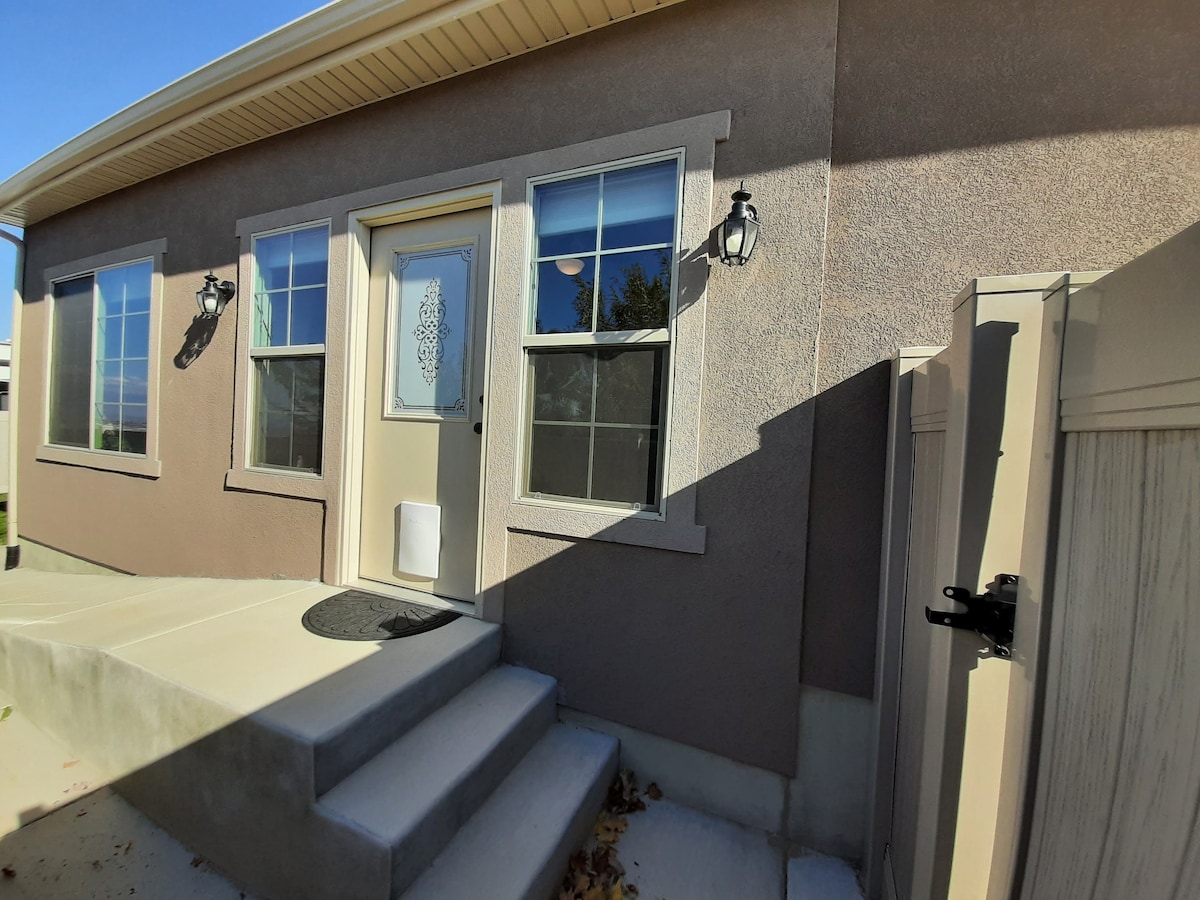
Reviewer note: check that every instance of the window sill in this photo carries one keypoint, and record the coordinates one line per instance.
(616, 527)
(103, 460)
(262, 481)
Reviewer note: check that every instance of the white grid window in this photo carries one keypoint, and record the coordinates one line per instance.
(597, 340)
(291, 272)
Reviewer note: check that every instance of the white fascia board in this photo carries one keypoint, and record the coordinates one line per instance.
(320, 33)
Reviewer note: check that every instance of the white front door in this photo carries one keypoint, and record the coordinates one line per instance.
(424, 404)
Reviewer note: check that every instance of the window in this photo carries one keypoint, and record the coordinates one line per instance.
(288, 348)
(597, 339)
(100, 360)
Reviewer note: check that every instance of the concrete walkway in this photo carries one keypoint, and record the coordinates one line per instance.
(64, 834)
(238, 648)
(671, 852)
(102, 847)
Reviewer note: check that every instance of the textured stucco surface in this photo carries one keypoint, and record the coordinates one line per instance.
(712, 632)
(982, 138)
(965, 140)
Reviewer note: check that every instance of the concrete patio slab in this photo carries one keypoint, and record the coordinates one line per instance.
(28, 596)
(101, 847)
(814, 876)
(170, 606)
(671, 851)
(37, 773)
(251, 657)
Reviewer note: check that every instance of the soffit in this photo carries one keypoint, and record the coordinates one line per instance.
(341, 57)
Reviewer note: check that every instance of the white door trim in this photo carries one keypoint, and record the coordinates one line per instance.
(359, 225)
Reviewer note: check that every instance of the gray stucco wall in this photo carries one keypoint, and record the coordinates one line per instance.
(704, 649)
(982, 138)
(976, 140)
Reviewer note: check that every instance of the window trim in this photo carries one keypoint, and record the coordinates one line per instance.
(653, 337)
(147, 465)
(678, 529)
(244, 475)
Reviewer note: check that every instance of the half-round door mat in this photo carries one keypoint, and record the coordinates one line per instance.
(359, 616)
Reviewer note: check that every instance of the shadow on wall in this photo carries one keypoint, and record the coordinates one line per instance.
(195, 340)
(707, 650)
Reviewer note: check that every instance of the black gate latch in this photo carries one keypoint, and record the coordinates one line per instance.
(991, 614)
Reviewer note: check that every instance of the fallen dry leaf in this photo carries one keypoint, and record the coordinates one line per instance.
(197, 861)
(82, 812)
(609, 828)
(5, 712)
(623, 794)
(9, 871)
(128, 847)
(598, 874)
(653, 791)
(70, 763)
(96, 865)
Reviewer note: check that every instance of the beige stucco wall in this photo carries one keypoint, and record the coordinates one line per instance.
(981, 138)
(706, 646)
(962, 143)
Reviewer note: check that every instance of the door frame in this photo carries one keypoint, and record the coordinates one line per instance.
(358, 276)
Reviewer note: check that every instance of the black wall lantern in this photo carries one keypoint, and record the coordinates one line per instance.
(739, 232)
(213, 296)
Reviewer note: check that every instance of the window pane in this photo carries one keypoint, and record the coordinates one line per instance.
(271, 320)
(558, 461)
(108, 382)
(137, 336)
(639, 206)
(108, 427)
(273, 256)
(628, 387)
(308, 316)
(625, 465)
(635, 290)
(71, 363)
(288, 413)
(110, 292)
(562, 386)
(133, 428)
(108, 340)
(310, 253)
(133, 441)
(564, 302)
(137, 287)
(566, 213)
(134, 381)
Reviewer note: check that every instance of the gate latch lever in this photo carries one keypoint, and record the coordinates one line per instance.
(991, 614)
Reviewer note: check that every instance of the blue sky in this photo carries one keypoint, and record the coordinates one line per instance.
(70, 64)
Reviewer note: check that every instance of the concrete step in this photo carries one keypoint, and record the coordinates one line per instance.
(517, 845)
(414, 795)
(351, 715)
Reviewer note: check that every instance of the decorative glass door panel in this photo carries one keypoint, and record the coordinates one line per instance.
(429, 339)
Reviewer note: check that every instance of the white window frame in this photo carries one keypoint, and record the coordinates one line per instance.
(675, 527)
(148, 464)
(656, 337)
(309, 351)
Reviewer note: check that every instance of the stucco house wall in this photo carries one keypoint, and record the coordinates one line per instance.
(894, 152)
(981, 138)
